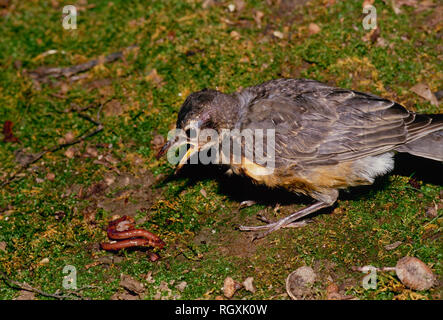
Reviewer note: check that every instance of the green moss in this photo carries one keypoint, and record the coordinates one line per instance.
(191, 48)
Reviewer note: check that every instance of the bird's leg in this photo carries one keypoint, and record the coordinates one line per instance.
(296, 224)
(286, 221)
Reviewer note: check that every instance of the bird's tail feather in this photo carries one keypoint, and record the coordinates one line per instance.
(429, 143)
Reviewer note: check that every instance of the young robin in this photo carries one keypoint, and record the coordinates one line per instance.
(326, 138)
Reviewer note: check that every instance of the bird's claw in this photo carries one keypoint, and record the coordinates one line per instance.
(246, 204)
(271, 227)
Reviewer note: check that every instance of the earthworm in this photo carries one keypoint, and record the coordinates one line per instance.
(122, 229)
(128, 243)
(136, 233)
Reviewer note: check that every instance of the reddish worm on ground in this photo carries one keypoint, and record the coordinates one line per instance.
(127, 236)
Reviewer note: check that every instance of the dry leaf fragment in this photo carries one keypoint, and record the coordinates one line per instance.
(431, 212)
(240, 4)
(25, 295)
(393, 246)
(92, 152)
(381, 42)
(50, 176)
(154, 77)
(235, 35)
(69, 137)
(230, 287)
(70, 153)
(332, 292)
(244, 60)
(7, 132)
(207, 3)
(113, 108)
(395, 7)
(410, 3)
(131, 284)
(372, 35)
(258, 16)
(23, 157)
(313, 28)
(181, 286)
(96, 84)
(124, 296)
(153, 256)
(278, 34)
(249, 285)
(425, 92)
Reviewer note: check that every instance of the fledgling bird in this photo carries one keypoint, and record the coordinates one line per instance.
(326, 138)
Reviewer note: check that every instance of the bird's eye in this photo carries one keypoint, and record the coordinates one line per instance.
(188, 133)
(191, 133)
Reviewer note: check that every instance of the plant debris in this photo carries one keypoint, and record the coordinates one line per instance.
(132, 285)
(43, 74)
(248, 284)
(7, 132)
(423, 91)
(299, 281)
(230, 287)
(394, 245)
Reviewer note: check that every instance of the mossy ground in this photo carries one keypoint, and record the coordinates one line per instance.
(191, 48)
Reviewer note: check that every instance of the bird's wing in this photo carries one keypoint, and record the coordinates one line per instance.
(329, 125)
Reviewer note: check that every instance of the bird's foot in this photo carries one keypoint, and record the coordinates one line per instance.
(246, 204)
(286, 222)
(269, 227)
(260, 217)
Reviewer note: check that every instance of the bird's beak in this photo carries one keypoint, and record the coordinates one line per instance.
(164, 149)
(178, 143)
(189, 153)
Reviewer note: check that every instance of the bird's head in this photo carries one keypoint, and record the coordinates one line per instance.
(205, 109)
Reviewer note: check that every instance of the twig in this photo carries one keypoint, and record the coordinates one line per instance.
(24, 286)
(368, 268)
(42, 74)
